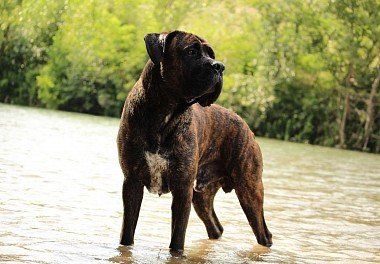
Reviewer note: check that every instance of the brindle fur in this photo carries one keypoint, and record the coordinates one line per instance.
(169, 113)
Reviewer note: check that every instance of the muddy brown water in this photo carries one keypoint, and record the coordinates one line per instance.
(60, 201)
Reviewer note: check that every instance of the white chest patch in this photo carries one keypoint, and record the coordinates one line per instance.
(157, 165)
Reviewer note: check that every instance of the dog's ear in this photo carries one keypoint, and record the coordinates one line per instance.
(155, 45)
(208, 99)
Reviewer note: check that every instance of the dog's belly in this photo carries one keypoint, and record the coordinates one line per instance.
(157, 166)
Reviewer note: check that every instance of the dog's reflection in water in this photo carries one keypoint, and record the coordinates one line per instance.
(132, 254)
(255, 254)
(200, 251)
(125, 255)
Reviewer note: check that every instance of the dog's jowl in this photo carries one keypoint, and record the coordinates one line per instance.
(173, 139)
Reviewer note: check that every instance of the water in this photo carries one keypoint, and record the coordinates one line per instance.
(60, 201)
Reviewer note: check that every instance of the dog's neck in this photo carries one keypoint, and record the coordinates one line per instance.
(154, 107)
(157, 94)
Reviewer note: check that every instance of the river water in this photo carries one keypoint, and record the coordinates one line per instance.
(60, 201)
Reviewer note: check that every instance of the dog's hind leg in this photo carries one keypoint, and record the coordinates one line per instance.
(246, 176)
(250, 195)
(203, 203)
(132, 198)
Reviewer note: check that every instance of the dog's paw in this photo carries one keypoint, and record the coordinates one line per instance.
(266, 241)
(177, 253)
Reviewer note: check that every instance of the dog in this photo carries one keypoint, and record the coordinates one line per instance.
(173, 139)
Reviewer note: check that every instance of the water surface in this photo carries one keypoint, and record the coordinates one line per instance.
(60, 201)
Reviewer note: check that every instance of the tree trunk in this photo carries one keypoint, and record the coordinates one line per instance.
(371, 110)
(348, 83)
(342, 128)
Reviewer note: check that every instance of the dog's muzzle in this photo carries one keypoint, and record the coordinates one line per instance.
(210, 77)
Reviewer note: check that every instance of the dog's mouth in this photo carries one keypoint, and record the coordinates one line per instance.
(193, 100)
(209, 91)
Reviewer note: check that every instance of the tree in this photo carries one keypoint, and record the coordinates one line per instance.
(354, 59)
(90, 61)
(24, 41)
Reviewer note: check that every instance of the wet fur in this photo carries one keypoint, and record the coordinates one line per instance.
(167, 144)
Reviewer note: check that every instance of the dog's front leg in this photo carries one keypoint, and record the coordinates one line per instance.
(181, 206)
(132, 197)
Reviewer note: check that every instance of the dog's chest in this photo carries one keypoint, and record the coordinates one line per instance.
(157, 166)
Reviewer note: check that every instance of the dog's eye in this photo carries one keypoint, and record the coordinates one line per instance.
(192, 52)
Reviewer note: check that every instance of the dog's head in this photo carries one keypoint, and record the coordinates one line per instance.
(187, 63)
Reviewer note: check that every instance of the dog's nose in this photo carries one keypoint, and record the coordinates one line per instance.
(217, 65)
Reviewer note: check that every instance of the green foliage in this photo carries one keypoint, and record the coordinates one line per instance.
(289, 64)
(88, 61)
(24, 41)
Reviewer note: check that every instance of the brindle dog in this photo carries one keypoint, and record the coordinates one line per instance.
(173, 139)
